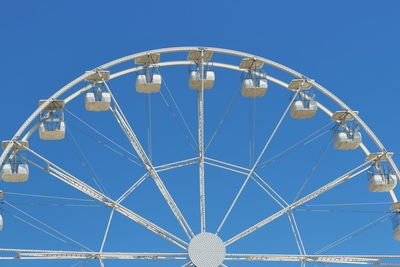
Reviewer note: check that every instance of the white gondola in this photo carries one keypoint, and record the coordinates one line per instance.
(381, 176)
(148, 83)
(195, 79)
(303, 109)
(396, 226)
(97, 101)
(52, 125)
(52, 130)
(382, 182)
(254, 87)
(1, 222)
(347, 140)
(15, 172)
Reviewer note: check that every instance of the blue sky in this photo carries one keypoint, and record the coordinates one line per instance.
(350, 47)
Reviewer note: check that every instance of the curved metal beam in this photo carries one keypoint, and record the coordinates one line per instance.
(215, 50)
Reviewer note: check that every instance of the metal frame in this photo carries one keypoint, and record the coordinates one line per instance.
(28, 127)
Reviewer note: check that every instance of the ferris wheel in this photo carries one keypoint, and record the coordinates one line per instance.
(225, 151)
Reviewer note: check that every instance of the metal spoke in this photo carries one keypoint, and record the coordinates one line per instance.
(340, 259)
(177, 164)
(127, 129)
(132, 188)
(71, 180)
(347, 176)
(200, 118)
(26, 254)
(106, 232)
(257, 161)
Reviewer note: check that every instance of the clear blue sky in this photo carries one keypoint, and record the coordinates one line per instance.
(350, 47)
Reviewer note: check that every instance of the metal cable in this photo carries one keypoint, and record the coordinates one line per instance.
(347, 211)
(313, 169)
(48, 226)
(257, 161)
(51, 204)
(354, 233)
(86, 162)
(45, 196)
(252, 129)
(348, 204)
(149, 128)
(190, 137)
(222, 120)
(35, 226)
(297, 145)
(101, 134)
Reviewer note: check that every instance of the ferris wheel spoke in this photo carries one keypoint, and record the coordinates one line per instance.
(257, 161)
(347, 176)
(127, 129)
(177, 164)
(71, 180)
(296, 234)
(340, 259)
(282, 203)
(26, 254)
(200, 117)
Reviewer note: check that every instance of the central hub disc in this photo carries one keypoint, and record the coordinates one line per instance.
(206, 250)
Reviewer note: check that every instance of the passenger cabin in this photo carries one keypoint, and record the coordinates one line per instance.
(381, 177)
(252, 84)
(148, 83)
(14, 169)
(347, 136)
(396, 226)
(52, 125)
(254, 87)
(304, 106)
(97, 100)
(15, 172)
(199, 81)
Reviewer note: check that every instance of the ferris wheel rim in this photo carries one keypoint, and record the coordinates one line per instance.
(338, 101)
(271, 63)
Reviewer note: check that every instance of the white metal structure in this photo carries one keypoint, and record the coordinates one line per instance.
(203, 248)
(148, 83)
(254, 87)
(198, 80)
(97, 100)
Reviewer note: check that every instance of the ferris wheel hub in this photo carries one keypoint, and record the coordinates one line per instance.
(207, 250)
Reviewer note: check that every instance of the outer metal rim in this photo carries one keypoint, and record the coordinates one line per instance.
(215, 50)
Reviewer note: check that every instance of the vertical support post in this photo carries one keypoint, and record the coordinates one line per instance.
(200, 114)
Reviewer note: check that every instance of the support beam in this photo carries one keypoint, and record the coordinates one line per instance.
(127, 129)
(26, 254)
(340, 259)
(71, 180)
(334, 183)
(257, 161)
(177, 164)
(200, 119)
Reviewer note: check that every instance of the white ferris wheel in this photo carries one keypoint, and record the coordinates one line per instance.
(240, 169)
